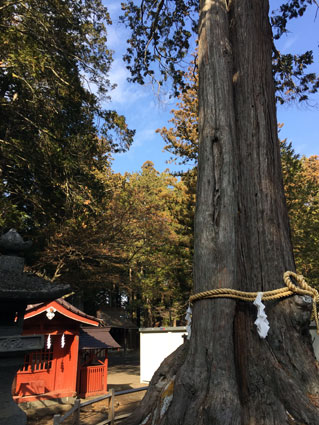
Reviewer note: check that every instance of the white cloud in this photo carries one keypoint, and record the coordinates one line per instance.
(290, 41)
(116, 37)
(125, 93)
(113, 7)
(145, 136)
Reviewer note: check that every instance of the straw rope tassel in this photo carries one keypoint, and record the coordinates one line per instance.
(290, 289)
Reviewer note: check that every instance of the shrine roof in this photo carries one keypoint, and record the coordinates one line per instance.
(15, 284)
(61, 306)
(116, 318)
(25, 286)
(97, 338)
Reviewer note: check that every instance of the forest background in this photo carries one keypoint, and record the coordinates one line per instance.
(120, 240)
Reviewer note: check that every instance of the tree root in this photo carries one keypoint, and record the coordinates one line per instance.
(276, 380)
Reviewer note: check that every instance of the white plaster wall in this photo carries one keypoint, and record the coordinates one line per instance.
(154, 348)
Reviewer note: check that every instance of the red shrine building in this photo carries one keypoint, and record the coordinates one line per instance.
(74, 359)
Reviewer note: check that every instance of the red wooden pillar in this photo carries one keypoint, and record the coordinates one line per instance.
(74, 351)
(105, 371)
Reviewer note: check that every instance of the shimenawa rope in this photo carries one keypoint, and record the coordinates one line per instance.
(290, 289)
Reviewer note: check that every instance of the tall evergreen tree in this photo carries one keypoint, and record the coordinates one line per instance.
(300, 177)
(54, 133)
(226, 374)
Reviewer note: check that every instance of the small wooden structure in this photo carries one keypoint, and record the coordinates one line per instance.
(93, 360)
(123, 330)
(53, 373)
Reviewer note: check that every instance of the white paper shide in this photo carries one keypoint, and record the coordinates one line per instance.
(261, 321)
(49, 342)
(62, 341)
(188, 318)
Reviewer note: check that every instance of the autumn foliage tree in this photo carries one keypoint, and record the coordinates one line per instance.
(181, 139)
(128, 249)
(302, 188)
(152, 249)
(160, 265)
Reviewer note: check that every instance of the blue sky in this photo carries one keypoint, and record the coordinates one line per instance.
(145, 111)
(301, 120)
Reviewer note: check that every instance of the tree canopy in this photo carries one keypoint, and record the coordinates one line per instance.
(55, 133)
(161, 34)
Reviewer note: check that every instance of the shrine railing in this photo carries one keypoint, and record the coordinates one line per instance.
(92, 380)
(76, 409)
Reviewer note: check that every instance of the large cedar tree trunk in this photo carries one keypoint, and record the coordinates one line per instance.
(226, 374)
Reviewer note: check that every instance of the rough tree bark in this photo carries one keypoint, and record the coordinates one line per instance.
(226, 374)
